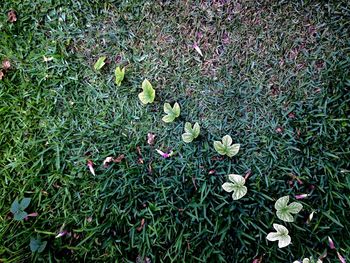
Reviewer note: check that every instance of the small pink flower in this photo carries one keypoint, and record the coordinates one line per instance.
(302, 196)
(31, 215)
(341, 258)
(90, 164)
(331, 243)
(62, 233)
(165, 155)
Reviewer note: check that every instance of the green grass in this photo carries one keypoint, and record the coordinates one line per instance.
(262, 62)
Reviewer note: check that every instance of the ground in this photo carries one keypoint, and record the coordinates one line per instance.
(274, 75)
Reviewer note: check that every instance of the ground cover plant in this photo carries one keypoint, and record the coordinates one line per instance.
(82, 93)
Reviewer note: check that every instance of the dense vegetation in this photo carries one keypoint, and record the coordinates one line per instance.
(274, 75)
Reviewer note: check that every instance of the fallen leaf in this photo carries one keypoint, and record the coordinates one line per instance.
(90, 164)
(12, 17)
(150, 168)
(138, 150)
(142, 224)
(119, 158)
(6, 64)
(196, 47)
(150, 138)
(194, 183)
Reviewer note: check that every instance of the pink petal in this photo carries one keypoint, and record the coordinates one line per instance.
(61, 234)
(331, 243)
(33, 214)
(90, 164)
(302, 196)
(160, 152)
(342, 260)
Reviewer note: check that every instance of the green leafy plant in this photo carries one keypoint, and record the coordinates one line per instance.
(37, 245)
(119, 75)
(285, 211)
(226, 147)
(190, 133)
(148, 94)
(100, 63)
(172, 112)
(281, 236)
(236, 185)
(17, 208)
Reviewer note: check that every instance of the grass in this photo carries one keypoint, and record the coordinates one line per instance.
(275, 76)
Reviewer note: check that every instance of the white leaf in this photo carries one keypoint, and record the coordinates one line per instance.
(228, 187)
(284, 241)
(239, 191)
(282, 202)
(284, 216)
(236, 178)
(227, 140)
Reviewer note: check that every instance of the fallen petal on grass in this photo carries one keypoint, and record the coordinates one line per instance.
(61, 234)
(331, 243)
(163, 154)
(196, 47)
(12, 16)
(301, 196)
(90, 164)
(341, 258)
(150, 138)
(6, 64)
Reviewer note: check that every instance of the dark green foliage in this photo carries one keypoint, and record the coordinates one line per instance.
(274, 75)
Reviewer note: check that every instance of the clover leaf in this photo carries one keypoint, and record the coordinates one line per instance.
(172, 112)
(237, 186)
(190, 133)
(17, 208)
(36, 245)
(148, 94)
(119, 75)
(226, 147)
(281, 235)
(100, 63)
(307, 260)
(285, 211)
